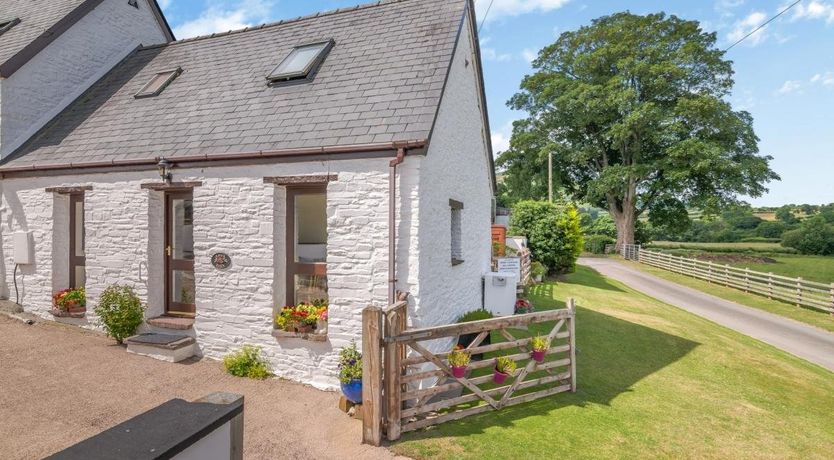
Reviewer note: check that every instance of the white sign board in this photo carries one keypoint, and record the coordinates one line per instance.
(510, 264)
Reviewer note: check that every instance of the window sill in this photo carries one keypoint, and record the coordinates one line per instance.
(456, 262)
(311, 336)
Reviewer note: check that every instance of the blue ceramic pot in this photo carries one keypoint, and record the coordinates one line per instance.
(353, 391)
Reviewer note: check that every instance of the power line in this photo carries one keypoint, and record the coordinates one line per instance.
(485, 16)
(763, 24)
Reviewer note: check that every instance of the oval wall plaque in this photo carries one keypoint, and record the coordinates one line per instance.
(221, 261)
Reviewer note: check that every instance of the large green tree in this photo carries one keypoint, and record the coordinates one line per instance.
(634, 111)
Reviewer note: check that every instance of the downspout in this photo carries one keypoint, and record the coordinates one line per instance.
(392, 225)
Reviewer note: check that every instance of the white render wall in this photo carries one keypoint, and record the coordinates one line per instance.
(234, 212)
(46, 84)
(456, 167)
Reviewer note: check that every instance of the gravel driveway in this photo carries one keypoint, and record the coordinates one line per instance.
(60, 384)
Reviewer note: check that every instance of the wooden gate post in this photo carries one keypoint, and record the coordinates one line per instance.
(393, 390)
(572, 332)
(372, 376)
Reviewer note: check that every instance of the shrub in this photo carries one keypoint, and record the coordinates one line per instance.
(814, 236)
(595, 244)
(537, 269)
(771, 229)
(120, 311)
(553, 233)
(350, 364)
(475, 315)
(505, 365)
(459, 358)
(247, 362)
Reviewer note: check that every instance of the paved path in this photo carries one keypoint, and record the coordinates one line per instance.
(807, 342)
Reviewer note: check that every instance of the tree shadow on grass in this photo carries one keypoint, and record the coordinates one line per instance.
(612, 356)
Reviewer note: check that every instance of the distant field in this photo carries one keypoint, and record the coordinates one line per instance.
(729, 247)
(768, 216)
(762, 257)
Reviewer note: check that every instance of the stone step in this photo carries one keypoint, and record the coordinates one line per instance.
(171, 322)
(165, 347)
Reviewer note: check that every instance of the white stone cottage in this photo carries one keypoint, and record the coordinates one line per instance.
(301, 149)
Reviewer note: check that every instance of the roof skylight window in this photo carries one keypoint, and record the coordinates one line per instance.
(301, 62)
(6, 24)
(158, 83)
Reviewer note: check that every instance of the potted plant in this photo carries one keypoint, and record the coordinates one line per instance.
(303, 318)
(538, 270)
(464, 340)
(523, 306)
(540, 346)
(70, 303)
(504, 367)
(350, 373)
(459, 361)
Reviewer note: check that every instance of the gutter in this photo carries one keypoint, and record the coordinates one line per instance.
(150, 163)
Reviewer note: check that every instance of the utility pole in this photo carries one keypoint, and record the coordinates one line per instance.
(549, 177)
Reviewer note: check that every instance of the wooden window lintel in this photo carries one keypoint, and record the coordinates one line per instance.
(316, 179)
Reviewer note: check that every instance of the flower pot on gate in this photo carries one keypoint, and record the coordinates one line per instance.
(459, 371)
(538, 355)
(499, 377)
(353, 391)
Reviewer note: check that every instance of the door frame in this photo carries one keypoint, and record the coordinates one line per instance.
(293, 267)
(170, 263)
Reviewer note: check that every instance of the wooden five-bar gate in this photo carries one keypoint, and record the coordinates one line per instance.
(407, 387)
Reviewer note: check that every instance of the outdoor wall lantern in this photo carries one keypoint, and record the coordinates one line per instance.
(164, 167)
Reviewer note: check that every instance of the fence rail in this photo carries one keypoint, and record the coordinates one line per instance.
(798, 291)
(404, 393)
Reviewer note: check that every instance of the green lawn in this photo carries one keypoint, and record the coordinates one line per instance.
(736, 247)
(810, 316)
(654, 382)
(812, 268)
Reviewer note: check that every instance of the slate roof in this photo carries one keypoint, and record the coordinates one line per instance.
(36, 16)
(381, 82)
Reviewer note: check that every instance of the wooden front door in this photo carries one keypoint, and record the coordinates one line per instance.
(179, 254)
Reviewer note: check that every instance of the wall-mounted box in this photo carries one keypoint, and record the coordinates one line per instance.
(23, 248)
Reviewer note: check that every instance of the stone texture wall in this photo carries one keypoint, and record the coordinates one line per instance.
(456, 167)
(69, 65)
(235, 213)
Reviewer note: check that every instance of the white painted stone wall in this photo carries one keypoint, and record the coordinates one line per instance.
(456, 167)
(234, 212)
(69, 65)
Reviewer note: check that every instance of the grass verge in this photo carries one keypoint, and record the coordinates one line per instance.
(807, 315)
(654, 382)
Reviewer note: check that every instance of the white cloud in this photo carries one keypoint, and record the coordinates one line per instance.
(164, 3)
(505, 8)
(747, 25)
(813, 10)
(218, 17)
(528, 55)
(501, 138)
(790, 86)
(490, 54)
(824, 79)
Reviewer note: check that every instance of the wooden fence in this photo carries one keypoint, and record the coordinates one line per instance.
(407, 390)
(526, 265)
(794, 290)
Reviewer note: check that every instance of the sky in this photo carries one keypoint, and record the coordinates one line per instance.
(784, 74)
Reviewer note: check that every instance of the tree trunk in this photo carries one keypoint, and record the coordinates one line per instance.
(625, 222)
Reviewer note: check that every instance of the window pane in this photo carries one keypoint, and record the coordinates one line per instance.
(183, 286)
(311, 228)
(309, 288)
(457, 250)
(298, 60)
(79, 228)
(182, 236)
